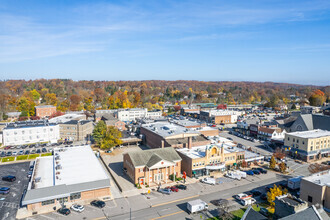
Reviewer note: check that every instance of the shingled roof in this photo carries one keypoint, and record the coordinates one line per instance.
(153, 156)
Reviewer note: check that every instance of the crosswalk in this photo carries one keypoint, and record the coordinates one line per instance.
(9, 205)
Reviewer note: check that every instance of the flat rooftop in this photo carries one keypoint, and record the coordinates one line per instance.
(29, 124)
(45, 106)
(167, 129)
(186, 122)
(66, 117)
(218, 112)
(316, 133)
(68, 170)
(321, 178)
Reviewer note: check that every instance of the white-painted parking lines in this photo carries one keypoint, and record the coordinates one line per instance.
(45, 216)
(9, 205)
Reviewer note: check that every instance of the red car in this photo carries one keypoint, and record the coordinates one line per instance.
(6, 148)
(173, 188)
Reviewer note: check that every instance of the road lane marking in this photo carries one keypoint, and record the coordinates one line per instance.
(163, 216)
(165, 203)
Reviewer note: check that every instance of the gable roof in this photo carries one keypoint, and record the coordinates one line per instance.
(311, 213)
(251, 214)
(153, 156)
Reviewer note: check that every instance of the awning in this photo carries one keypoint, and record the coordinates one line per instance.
(215, 167)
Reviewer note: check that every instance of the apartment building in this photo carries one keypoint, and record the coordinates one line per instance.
(308, 145)
(219, 116)
(76, 130)
(132, 114)
(166, 134)
(30, 132)
(43, 111)
(152, 166)
(70, 175)
(315, 189)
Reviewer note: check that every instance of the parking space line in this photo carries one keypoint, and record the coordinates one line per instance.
(45, 216)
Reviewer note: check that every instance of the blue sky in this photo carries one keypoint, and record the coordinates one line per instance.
(281, 41)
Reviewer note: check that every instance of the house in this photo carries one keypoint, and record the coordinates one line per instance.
(315, 189)
(30, 132)
(110, 120)
(70, 175)
(165, 134)
(76, 130)
(251, 214)
(308, 145)
(270, 133)
(152, 166)
(43, 111)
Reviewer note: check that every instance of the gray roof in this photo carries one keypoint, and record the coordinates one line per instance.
(250, 214)
(59, 191)
(148, 157)
(310, 213)
(316, 121)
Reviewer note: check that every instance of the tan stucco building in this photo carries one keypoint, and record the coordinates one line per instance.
(76, 130)
(308, 145)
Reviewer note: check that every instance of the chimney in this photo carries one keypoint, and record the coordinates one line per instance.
(162, 144)
(189, 142)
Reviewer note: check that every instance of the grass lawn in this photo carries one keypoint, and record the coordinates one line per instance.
(7, 159)
(33, 156)
(238, 214)
(22, 157)
(46, 154)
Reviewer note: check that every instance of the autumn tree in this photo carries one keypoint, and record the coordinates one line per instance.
(272, 162)
(99, 132)
(279, 154)
(317, 98)
(282, 167)
(273, 193)
(111, 138)
(26, 107)
(51, 99)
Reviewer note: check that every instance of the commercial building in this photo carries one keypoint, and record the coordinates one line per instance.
(67, 117)
(315, 189)
(43, 111)
(309, 109)
(166, 134)
(132, 114)
(271, 133)
(203, 160)
(76, 130)
(29, 132)
(152, 166)
(219, 116)
(308, 145)
(70, 175)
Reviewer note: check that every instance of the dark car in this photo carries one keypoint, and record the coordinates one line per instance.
(64, 211)
(181, 186)
(9, 178)
(44, 150)
(261, 170)
(255, 192)
(27, 152)
(3, 154)
(9, 153)
(257, 172)
(4, 190)
(38, 151)
(263, 196)
(98, 203)
(249, 172)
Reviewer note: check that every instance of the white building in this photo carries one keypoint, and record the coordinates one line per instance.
(29, 132)
(132, 114)
(309, 109)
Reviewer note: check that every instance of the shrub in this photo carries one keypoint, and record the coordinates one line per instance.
(22, 157)
(8, 159)
(46, 154)
(33, 156)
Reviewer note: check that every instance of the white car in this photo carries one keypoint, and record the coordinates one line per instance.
(77, 208)
(242, 196)
(208, 180)
(248, 201)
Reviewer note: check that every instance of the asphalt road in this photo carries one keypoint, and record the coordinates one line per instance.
(10, 203)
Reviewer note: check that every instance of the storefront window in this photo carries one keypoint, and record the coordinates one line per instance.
(52, 201)
(74, 196)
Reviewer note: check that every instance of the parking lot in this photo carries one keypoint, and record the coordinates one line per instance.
(10, 203)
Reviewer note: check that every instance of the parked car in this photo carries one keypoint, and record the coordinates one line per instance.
(29, 174)
(261, 170)
(9, 153)
(3, 154)
(181, 186)
(249, 172)
(165, 191)
(257, 172)
(14, 153)
(38, 151)
(174, 189)
(64, 211)
(98, 203)
(242, 196)
(9, 178)
(247, 201)
(77, 208)
(21, 152)
(4, 190)
(27, 152)
(33, 151)
(255, 192)
(208, 180)
(43, 150)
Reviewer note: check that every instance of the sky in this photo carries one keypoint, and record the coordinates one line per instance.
(279, 41)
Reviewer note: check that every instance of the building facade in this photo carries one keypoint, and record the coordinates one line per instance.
(30, 132)
(153, 166)
(308, 145)
(132, 114)
(315, 189)
(43, 111)
(219, 116)
(76, 130)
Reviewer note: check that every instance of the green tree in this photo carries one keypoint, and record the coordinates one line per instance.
(99, 132)
(272, 163)
(35, 95)
(111, 138)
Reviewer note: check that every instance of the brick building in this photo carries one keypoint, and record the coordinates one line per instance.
(76, 130)
(219, 116)
(152, 166)
(110, 120)
(43, 111)
(70, 175)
